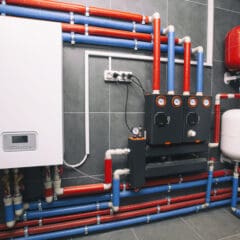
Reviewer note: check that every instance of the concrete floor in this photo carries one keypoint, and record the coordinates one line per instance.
(214, 224)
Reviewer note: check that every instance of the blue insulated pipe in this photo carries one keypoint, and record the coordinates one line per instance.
(171, 63)
(199, 72)
(113, 42)
(123, 223)
(209, 184)
(235, 184)
(78, 19)
(152, 190)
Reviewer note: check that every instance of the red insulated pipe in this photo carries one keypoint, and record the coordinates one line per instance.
(217, 117)
(83, 189)
(77, 8)
(108, 171)
(187, 67)
(108, 218)
(156, 53)
(122, 209)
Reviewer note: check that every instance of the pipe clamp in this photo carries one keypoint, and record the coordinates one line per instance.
(72, 38)
(86, 30)
(134, 27)
(26, 232)
(87, 11)
(86, 230)
(148, 219)
(98, 219)
(71, 18)
(136, 44)
(143, 19)
(40, 205)
(40, 222)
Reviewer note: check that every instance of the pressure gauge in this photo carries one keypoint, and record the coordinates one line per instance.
(206, 102)
(177, 101)
(135, 131)
(161, 101)
(192, 102)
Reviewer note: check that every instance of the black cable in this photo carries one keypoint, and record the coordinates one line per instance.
(126, 103)
(140, 83)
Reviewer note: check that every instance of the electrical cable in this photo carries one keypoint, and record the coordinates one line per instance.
(139, 84)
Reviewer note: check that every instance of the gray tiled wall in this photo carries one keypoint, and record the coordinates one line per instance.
(107, 128)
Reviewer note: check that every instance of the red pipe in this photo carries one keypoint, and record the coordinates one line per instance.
(121, 209)
(216, 136)
(156, 53)
(83, 189)
(108, 171)
(187, 67)
(77, 8)
(108, 218)
(99, 187)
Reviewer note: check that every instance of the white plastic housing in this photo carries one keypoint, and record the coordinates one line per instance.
(31, 92)
(230, 134)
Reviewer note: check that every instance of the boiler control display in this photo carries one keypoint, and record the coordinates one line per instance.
(19, 141)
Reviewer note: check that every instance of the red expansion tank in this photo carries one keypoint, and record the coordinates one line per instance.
(232, 49)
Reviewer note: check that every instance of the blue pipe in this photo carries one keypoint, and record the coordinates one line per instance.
(164, 188)
(123, 223)
(114, 42)
(65, 17)
(65, 211)
(116, 193)
(171, 59)
(68, 202)
(199, 72)
(235, 184)
(209, 185)
(9, 211)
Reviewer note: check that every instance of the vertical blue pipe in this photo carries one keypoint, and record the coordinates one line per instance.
(209, 185)
(9, 211)
(199, 72)
(171, 58)
(234, 191)
(116, 193)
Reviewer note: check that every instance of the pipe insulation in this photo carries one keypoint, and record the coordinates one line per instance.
(74, 18)
(126, 208)
(124, 223)
(99, 219)
(107, 197)
(77, 8)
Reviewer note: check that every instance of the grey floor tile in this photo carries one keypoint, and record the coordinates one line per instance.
(173, 229)
(214, 224)
(123, 234)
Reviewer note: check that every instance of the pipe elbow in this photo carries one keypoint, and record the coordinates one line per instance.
(10, 224)
(233, 209)
(156, 15)
(59, 191)
(186, 39)
(120, 172)
(218, 98)
(198, 49)
(169, 28)
(117, 151)
(115, 209)
(107, 186)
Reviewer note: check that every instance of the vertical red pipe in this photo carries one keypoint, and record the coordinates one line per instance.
(108, 171)
(156, 53)
(187, 66)
(216, 136)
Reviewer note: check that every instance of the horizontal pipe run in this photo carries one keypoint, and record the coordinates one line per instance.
(67, 18)
(113, 42)
(64, 211)
(172, 187)
(130, 213)
(84, 189)
(107, 197)
(124, 194)
(126, 208)
(77, 8)
(125, 223)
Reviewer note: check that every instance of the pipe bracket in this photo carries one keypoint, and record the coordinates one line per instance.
(71, 18)
(73, 38)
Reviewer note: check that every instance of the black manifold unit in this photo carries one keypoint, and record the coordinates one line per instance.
(177, 135)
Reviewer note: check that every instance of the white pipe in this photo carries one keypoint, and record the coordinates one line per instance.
(228, 78)
(184, 39)
(119, 172)
(210, 31)
(117, 151)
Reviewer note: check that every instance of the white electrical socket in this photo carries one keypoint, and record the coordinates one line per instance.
(117, 76)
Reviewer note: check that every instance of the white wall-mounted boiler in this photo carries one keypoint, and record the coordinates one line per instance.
(31, 111)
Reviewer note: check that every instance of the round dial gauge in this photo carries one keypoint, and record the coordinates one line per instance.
(161, 101)
(192, 102)
(177, 101)
(206, 102)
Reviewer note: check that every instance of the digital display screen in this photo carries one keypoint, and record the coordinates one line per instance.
(19, 139)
